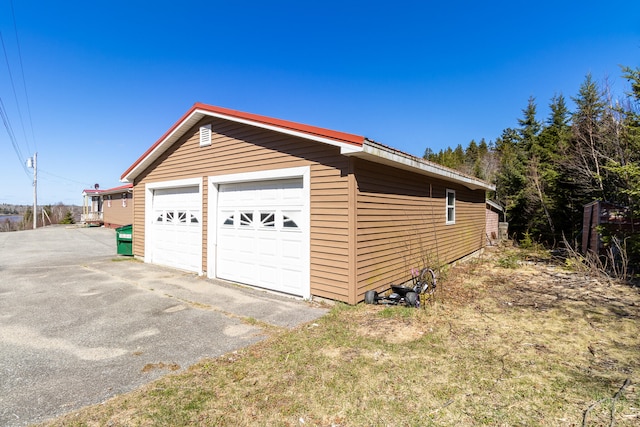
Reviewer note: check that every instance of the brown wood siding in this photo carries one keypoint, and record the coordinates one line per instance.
(238, 148)
(138, 220)
(114, 213)
(401, 224)
(330, 227)
(492, 219)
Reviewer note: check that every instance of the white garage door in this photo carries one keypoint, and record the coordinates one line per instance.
(176, 228)
(260, 234)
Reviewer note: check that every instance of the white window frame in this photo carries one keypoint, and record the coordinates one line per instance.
(450, 206)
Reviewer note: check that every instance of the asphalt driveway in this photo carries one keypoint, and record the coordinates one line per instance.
(80, 324)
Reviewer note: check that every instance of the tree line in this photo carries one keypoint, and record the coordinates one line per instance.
(546, 171)
(47, 215)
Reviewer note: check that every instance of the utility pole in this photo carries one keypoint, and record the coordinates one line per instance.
(33, 163)
(35, 190)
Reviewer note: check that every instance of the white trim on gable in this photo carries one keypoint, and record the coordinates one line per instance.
(369, 150)
(199, 113)
(305, 135)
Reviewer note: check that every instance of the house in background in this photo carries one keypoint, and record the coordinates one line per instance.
(110, 208)
(296, 208)
(606, 219)
(494, 213)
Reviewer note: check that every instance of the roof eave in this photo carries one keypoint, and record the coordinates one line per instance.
(346, 142)
(379, 153)
(128, 188)
(495, 205)
(349, 144)
(171, 136)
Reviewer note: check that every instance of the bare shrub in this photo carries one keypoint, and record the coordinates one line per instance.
(613, 265)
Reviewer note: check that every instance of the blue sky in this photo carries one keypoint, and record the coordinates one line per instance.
(104, 80)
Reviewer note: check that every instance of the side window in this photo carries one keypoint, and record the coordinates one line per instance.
(451, 206)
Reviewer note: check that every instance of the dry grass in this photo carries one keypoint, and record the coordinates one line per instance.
(531, 345)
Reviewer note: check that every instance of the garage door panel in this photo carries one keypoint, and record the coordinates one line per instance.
(268, 275)
(246, 245)
(292, 194)
(289, 279)
(266, 194)
(291, 249)
(176, 229)
(267, 252)
(259, 231)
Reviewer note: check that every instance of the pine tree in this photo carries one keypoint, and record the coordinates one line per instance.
(629, 166)
(529, 126)
(550, 144)
(584, 154)
(624, 171)
(68, 218)
(510, 178)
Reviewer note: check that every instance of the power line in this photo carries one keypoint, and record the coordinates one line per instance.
(24, 81)
(66, 179)
(12, 137)
(15, 94)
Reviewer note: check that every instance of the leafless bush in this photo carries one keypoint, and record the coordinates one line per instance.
(614, 265)
(617, 259)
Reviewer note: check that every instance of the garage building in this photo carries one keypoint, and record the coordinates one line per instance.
(296, 208)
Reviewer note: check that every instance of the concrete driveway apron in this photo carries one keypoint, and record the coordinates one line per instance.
(79, 324)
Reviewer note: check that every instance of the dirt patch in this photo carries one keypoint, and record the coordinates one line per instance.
(540, 283)
(396, 330)
(155, 366)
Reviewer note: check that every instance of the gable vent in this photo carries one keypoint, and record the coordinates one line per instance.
(205, 135)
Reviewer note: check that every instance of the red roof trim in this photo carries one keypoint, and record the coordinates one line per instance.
(313, 130)
(108, 190)
(337, 136)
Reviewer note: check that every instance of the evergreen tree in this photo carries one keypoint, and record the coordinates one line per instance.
(546, 172)
(68, 218)
(629, 166)
(458, 157)
(510, 179)
(520, 172)
(551, 142)
(483, 148)
(584, 156)
(529, 126)
(625, 170)
(471, 157)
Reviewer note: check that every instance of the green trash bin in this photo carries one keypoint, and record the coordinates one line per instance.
(124, 240)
